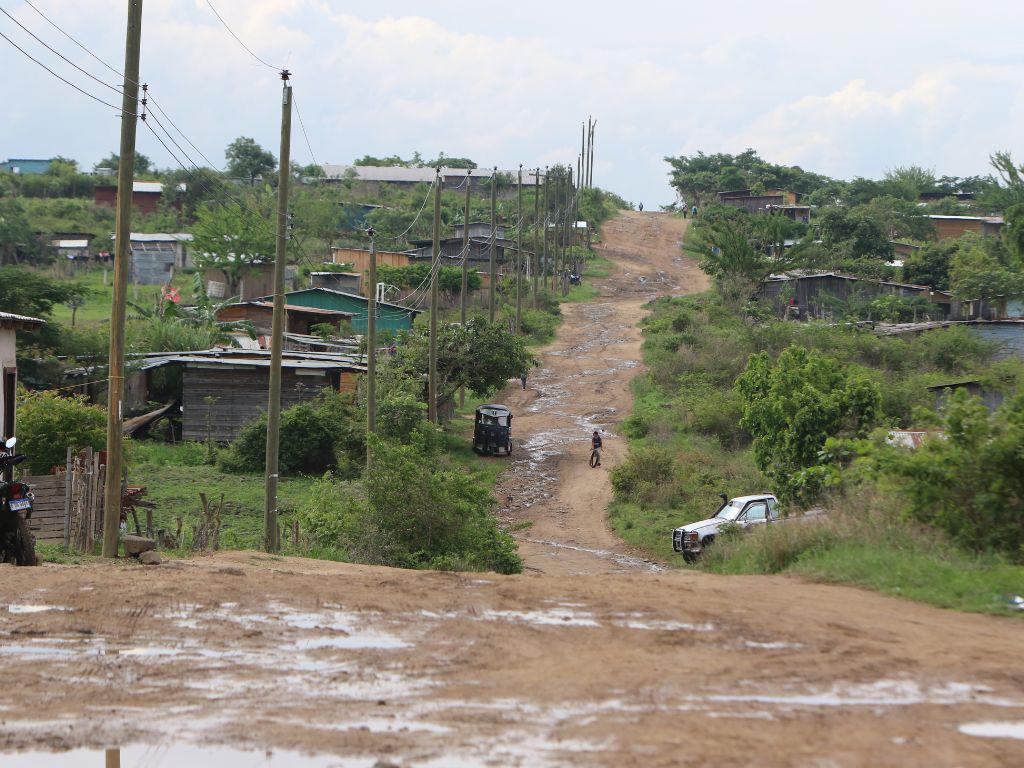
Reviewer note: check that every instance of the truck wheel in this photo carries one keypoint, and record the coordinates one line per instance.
(25, 544)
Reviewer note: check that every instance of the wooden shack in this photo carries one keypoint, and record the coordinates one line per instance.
(812, 294)
(223, 389)
(390, 317)
(298, 320)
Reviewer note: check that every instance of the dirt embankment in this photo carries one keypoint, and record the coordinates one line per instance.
(590, 658)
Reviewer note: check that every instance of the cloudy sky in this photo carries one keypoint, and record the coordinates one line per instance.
(842, 88)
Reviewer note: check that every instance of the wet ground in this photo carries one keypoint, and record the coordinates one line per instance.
(596, 656)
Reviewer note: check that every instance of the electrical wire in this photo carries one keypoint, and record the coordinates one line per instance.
(418, 214)
(305, 135)
(186, 138)
(53, 50)
(65, 80)
(239, 40)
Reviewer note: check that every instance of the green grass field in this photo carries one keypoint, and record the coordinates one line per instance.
(100, 296)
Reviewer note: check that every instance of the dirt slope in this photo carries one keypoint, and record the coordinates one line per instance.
(582, 384)
(587, 659)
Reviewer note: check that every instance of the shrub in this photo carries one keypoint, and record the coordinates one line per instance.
(415, 514)
(645, 470)
(48, 424)
(968, 483)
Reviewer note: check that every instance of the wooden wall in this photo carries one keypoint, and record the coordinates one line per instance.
(241, 397)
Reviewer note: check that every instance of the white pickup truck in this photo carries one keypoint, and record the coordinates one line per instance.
(745, 511)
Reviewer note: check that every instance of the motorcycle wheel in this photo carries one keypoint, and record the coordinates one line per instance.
(24, 544)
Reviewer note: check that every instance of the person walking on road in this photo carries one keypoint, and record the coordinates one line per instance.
(595, 448)
(693, 211)
(641, 207)
(523, 380)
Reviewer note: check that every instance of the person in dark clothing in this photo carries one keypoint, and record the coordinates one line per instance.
(523, 380)
(595, 444)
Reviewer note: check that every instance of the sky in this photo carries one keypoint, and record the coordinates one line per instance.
(845, 89)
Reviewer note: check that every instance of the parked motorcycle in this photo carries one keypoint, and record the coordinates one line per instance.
(17, 544)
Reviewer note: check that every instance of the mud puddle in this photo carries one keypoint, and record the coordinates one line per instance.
(176, 756)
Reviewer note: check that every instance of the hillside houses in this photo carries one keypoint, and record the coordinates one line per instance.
(10, 324)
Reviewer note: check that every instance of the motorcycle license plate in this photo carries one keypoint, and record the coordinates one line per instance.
(17, 505)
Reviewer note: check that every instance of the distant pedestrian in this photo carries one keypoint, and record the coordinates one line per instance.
(686, 212)
(523, 380)
(694, 211)
(641, 207)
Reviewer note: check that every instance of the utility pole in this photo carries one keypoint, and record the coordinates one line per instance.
(435, 267)
(536, 224)
(465, 270)
(556, 238)
(567, 242)
(519, 253)
(544, 247)
(125, 179)
(494, 234)
(590, 174)
(371, 345)
(271, 535)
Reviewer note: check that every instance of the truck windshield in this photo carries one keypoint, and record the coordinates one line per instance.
(730, 511)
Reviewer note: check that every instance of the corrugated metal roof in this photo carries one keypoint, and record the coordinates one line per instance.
(349, 295)
(71, 243)
(987, 219)
(9, 318)
(403, 174)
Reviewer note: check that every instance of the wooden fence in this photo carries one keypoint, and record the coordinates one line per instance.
(68, 508)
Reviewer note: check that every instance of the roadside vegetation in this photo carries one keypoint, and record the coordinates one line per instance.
(737, 400)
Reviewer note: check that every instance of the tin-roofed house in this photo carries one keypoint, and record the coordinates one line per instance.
(390, 317)
(10, 324)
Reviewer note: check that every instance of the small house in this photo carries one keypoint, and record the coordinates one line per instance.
(810, 294)
(26, 166)
(74, 248)
(257, 281)
(1006, 335)
(154, 257)
(10, 324)
(760, 202)
(359, 258)
(347, 282)
(955, 226)
(992, 398)
(146, 195)
(390, 317)
(224, 389)
(298, 320)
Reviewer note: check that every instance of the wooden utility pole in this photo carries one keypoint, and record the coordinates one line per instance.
(494, 235)
(519, 252)
(122, 255)
(567, 241)
(556, 239)
(544, 246)
(590, 173)
(536, 224)
(371, 345)
(271, 534)
(465, 269)
(435, 266)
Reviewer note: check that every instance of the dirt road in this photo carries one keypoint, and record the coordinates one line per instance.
(590, 658)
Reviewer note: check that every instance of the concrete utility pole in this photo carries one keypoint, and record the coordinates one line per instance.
(271, 534)
(465, 269)
(494, 235)
(519, 252)
(435, 266)
(122, 256)
(536, 224)
(371, 345)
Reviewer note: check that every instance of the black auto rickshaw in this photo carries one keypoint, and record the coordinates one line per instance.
(492, 430)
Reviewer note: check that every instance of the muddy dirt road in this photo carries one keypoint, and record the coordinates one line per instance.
(590, 658)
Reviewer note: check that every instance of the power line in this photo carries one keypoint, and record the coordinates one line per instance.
(72, 39)
(49, 47)
(65, 80)
(302, 125)
(168, 118)
(239, 40)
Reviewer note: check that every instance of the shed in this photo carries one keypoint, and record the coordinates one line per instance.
(990, 397)
(359, 258)
(390, 317)
(257, 281)
(348, 282)
(146, 195)
(299, 319)
(25, 166)
(237, 381)
(811, 292)
(10, 324)
(1007, 335)
(955, 226)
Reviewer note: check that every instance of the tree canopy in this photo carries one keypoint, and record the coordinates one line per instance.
(698, 177)
(248, 160)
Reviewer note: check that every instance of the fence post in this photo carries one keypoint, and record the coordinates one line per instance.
(67, 500)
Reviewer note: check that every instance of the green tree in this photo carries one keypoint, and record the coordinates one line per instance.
(48, 424)
(1011, 176)
(142, 163)
(248, 160)
(16, 238)
(26, 292)
(970, 483)
(792, 406)
(979, 274)
(233, 237)
(908, 182)
(929, 265)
